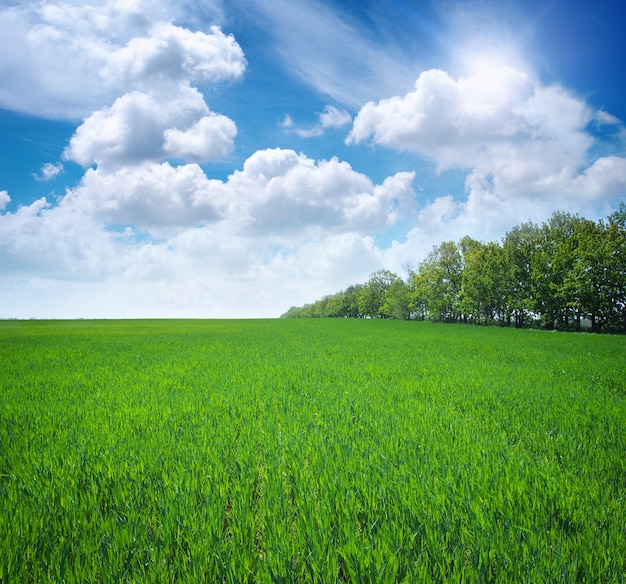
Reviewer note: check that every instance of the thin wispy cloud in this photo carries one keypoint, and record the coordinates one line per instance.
(345, 64)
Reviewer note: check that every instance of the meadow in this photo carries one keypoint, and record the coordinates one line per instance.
(310, 450)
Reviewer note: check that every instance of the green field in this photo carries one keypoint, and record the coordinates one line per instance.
(310, 451)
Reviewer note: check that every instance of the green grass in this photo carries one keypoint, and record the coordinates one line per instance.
(310, 451)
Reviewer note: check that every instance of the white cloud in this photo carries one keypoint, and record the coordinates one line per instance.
(41, 241)
(281, 191)
(323, 265)
(69, 59)
(4, 200)
(175, 280)
(604, 179)
(150, 196)
(171, 53)
(277, 191)
(513, 135)
(49, 171)
(174, 122)
(606, 119)
(331, 117)
(210, 138)
(159, 113)
(283, 226)
(58, 49)
(460, 122)
(287, 122)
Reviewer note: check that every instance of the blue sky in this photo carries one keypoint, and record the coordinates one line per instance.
(231, 159)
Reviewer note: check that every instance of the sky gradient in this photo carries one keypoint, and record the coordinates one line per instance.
(232, 159)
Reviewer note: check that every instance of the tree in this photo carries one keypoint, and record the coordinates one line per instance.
(615, 270)
(555, 293)
(334, 305)
(566, 270)
(437, 285)
(372, 296)
(582, 287)
(483, 280)
(520, 245)
(293, 312)
(396, 303)
(351, 301)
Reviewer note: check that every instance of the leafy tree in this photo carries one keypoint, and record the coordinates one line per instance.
(554, 291)
(520, 245)
(566, 270)
(293, 312)
(436, 286)
(615, 270)
(484, 280)
(333, 306)
(582, 288)
(351, 301)
(372, 296)
(397, 302)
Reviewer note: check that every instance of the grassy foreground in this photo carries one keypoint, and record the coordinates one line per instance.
(310, 451)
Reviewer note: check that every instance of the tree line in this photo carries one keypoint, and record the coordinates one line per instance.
(568, 273)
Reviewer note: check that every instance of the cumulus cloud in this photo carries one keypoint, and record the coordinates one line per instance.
(57, 51)
(199, 273)
(459, 122)
(513, 135)
(605, 178)
(139, 126)
(282, 222)
(200, 246)
(68, 59)
(341, 259)
(54, 242)
(158, 112)
(169, 53)
(209, 138)
(149, 196)
(283, 191)
(276, 191)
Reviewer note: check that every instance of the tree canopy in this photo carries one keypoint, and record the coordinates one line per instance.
(566, 273)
